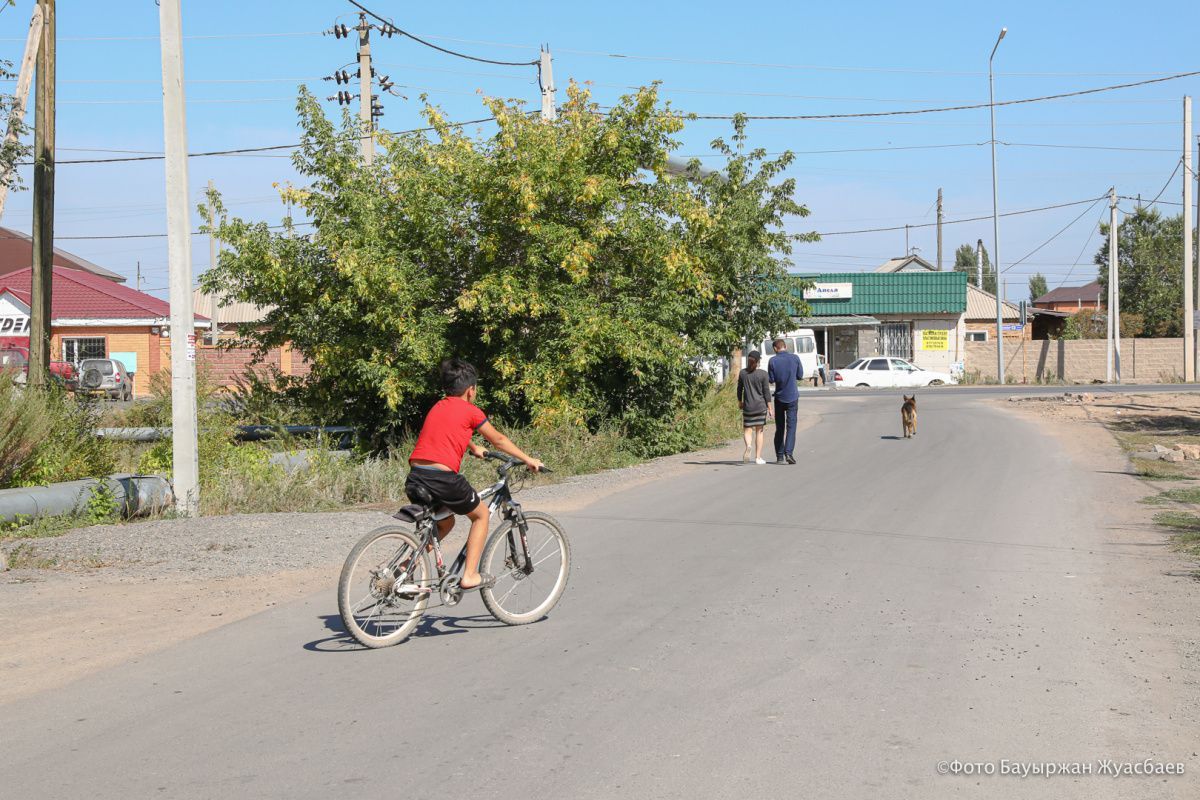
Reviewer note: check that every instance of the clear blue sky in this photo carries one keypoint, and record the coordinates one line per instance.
(823, 58)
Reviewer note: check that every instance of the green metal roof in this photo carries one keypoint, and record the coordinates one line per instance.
(891, 293)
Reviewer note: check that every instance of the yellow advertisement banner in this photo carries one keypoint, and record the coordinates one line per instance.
(932, 339)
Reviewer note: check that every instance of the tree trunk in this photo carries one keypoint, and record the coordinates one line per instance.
(735, 364)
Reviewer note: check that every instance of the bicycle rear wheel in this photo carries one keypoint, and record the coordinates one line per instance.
(384, 587)
(522, 595)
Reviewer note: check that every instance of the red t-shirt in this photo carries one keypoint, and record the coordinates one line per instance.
(447, 431)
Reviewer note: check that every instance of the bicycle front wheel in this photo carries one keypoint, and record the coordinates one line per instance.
(526, 588)
(384, 587)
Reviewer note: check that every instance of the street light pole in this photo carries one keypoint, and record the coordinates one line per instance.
(996, 218)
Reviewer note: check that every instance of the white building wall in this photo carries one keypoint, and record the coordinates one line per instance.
(938, 359)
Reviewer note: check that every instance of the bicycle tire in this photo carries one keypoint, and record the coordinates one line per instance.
(494, 597)
(346, 605)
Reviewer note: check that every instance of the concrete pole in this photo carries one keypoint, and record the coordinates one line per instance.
(996, 216)
(186, 467)
(546, 76)
(1113, 267)
(21, 95)
(1189, 306)
(939, 230)
(979, 263)
(364, 90)
(42, 278)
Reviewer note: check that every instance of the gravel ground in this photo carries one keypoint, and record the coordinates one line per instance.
(260, 544)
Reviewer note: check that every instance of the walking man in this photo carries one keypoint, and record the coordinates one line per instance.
(785, 371)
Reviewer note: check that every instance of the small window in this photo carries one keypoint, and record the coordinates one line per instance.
(855, 364)
(977, 336)
(103, 365)
(878, 364)
(77, 349)
(902, 365)
(807, 345)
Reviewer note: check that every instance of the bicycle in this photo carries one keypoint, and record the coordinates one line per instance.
(394, 587)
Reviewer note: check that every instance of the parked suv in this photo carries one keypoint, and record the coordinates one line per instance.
(105, 375)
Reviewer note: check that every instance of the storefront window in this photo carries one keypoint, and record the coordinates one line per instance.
(77, 349)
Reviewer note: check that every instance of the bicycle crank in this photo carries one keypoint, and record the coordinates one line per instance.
(451, 593)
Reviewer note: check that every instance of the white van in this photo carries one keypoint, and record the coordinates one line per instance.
(802, 342)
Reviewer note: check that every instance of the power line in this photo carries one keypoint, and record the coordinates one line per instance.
(969, 107)
(1052, 238)
(1174, 172)
(1086, 242)
(243, 150)
(957, 221)
(143, 235)
(155, 38)
(394, 27)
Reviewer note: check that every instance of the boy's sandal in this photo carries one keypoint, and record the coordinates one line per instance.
(487, 583)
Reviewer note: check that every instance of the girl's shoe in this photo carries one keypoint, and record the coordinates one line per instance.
(746, 456)
(759, 461)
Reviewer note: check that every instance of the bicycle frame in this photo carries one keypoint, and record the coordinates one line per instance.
(499, 499)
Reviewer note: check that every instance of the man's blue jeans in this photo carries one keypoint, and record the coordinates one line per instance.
(785, 427)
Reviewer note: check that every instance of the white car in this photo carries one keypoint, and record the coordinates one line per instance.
(880, 371)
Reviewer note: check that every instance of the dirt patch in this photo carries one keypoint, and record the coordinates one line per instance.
(1146, 429)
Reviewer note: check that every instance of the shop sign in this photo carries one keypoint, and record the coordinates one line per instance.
(14, 325)
(935, 339)
(829, 291)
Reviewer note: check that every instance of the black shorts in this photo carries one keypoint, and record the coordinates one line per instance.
(449, 489)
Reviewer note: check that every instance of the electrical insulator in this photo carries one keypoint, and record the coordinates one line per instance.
(388, 31)
(341, 76)
(344, 98)
(340, 31)
(385, 83)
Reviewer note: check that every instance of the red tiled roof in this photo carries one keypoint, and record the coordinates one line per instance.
(82, 295)
(16, 254)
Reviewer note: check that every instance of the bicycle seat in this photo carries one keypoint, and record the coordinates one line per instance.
(420, 495)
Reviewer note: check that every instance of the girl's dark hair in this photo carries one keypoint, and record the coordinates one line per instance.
(457, 376)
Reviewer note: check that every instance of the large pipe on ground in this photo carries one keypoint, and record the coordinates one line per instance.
(132, 496)
(245, 433)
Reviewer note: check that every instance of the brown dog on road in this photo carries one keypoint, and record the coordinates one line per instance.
(908, 416)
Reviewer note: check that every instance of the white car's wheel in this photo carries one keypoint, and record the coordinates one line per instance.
(936, 382)
(862, 386)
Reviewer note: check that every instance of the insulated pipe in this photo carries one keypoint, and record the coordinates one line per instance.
(245, 433)
(133, 495)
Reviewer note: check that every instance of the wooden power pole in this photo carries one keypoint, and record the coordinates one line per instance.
(42, 279)
(21, 96)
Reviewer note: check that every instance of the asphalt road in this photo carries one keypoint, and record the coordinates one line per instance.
(836, 629)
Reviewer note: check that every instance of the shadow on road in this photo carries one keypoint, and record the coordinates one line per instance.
(729, 463)
(893, 438)
(431, 625)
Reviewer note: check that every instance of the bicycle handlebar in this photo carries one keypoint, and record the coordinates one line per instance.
(509, 461)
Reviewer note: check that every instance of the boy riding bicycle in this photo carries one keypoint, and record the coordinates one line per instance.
(437, 459)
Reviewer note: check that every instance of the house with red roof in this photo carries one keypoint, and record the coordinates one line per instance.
(92, 316)
(16, 254)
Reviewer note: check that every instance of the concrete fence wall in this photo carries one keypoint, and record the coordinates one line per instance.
(1077, 360)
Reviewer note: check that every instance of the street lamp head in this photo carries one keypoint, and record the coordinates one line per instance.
(1002, 32)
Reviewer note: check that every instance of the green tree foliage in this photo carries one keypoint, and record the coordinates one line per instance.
(1037, 286)
(1149, 255)
(563, 259)
(964, 261)
(10, 152)
(747, 241)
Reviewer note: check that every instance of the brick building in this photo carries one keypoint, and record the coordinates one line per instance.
(1072, 299)
(93, 316)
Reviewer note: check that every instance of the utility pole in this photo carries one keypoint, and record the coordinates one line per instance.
(1189, 305)
(179, 256)
(979, 264)
(939, 229)
(996, 215)
(21, 95)
(906, 252)
(1114, 294)
(138, 279)
(364, 90)
(546, 79)
(42, 278)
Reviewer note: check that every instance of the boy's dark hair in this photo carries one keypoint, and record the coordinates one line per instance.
(457, 376)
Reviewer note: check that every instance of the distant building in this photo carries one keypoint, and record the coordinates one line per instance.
(913, 263)
(1072, 298)
(16, 254)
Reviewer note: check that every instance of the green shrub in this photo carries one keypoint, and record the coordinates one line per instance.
(48, 436)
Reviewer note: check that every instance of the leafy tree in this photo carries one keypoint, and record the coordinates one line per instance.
(746, 245)
(1149, 255)
(964, 261)
(10, 152)
(562, 258)
(1037, 286)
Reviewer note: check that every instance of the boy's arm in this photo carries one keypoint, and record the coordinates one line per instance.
(505, 445)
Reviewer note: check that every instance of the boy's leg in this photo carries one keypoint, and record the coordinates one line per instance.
(475, 542)
(780, 422)
(445, 526)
